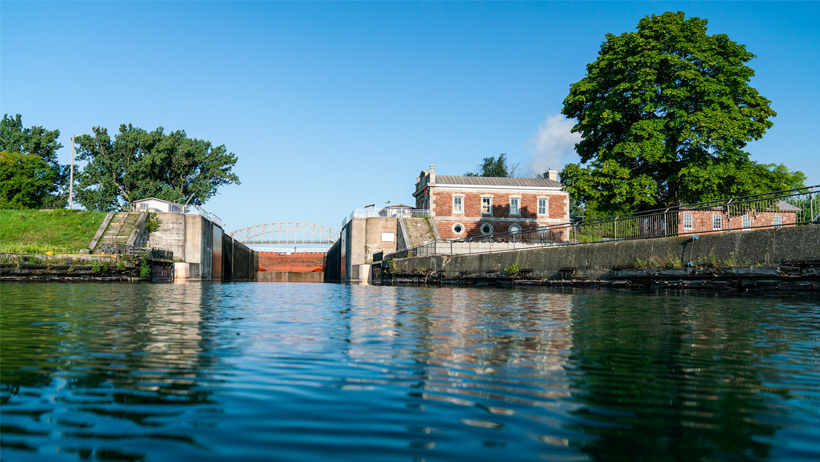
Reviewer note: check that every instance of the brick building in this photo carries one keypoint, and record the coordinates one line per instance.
(465, 206)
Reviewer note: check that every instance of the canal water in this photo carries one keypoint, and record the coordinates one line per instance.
(255, 371)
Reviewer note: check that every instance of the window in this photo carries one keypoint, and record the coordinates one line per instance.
(717, 221)
(777, 221)
(542, 205)
(142, 206)
(747, 222)
(514, 229)
(687, 221)
(487, 205)
(458, 228)
(486, 229)
(458, 204)
(515, 206)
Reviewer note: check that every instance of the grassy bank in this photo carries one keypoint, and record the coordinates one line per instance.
(60, 231)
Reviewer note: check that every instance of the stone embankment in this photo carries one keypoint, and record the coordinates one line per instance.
(778, 259)
(81, 268)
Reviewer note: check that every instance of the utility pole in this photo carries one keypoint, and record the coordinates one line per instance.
(71, 179)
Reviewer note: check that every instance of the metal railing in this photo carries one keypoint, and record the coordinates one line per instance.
(404, 213)
(778, 209)
(197, 210)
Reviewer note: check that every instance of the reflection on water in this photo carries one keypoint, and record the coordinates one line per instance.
(294, 372)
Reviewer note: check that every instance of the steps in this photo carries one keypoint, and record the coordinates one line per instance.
(420, 230)
(122, 228)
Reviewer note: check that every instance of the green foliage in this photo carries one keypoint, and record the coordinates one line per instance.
(512, 269)
(664, 113)
(492, 167)
(674, 263)
(120, 265)
(137, 164)
(153, 222)
(96, 266)
(145, 271)
(40, 143)
(60, 231)
(640, 263)
(26, 180)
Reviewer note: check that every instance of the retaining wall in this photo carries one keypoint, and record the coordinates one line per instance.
(739, 248)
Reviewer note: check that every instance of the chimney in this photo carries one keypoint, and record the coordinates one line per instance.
(552, 175)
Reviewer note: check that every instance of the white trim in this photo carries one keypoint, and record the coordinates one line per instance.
(443, 218)
(518, 212)
(719, 216)
(691, 221)
(538, 206)
(777, 217)
(486, 196)
(460, 196)
(514, 225)
(453, 229)
(473, 187)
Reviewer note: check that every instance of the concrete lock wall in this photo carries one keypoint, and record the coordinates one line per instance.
(239, 262)
(170, 235)
(333, 263)
(739, 248)
(363, 238)
(198, 247)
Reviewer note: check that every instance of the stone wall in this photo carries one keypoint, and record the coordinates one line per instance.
(739, 248)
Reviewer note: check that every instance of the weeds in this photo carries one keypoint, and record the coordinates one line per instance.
(120, 265)
(145, 271)
(674, 263)
(153, 222)
(640, 263)
(96, 266)
(512, 269)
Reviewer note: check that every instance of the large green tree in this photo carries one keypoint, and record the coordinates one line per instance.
(26, 180)
(492, 167)
(664, 114)
(136, 164)
(36, 141)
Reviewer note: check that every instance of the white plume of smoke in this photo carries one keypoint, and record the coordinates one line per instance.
(553, 145)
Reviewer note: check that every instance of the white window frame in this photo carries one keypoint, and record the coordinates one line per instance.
(518, 206)
(691, 220)
(490, 199)
(481, 228)
(717, 222)
(546, 206)
(453, 229)
(461, 206)
(747, 221)
(517, 228)
(777, 221)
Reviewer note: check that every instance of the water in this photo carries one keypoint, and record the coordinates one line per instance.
(249, 371)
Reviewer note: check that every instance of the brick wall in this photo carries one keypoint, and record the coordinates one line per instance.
(442, 204)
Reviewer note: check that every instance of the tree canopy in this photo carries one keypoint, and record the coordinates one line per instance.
(138, 164)
(664, 114)
(18, 143)
(492, 167)
(26, 180)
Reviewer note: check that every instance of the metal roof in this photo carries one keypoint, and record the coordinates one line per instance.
(494, 181)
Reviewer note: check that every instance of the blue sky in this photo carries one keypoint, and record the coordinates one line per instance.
(332, 106)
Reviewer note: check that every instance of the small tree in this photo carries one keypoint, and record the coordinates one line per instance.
(492, 167)
(664, 114)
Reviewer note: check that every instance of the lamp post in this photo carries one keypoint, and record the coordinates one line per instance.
(71, 179)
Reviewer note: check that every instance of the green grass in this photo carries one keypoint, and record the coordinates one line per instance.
(60, 231)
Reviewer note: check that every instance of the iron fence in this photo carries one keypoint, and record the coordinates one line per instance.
(779, 209)
(129, 250)
(404, 213)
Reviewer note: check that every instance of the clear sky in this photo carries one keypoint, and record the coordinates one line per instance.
(332, 106)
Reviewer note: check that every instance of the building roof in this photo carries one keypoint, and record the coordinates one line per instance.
(493, 181)
(784, 206)
(152, 199)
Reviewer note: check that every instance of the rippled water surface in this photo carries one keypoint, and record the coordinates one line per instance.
(272, 371)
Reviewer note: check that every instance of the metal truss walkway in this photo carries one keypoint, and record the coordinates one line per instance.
(286, 233)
